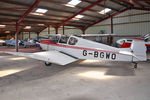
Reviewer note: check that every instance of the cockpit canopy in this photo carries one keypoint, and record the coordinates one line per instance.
(63, 39)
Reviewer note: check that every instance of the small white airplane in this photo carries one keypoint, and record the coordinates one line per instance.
(63, 50)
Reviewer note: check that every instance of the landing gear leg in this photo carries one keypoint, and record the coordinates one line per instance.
(135, 65)
(48, 63)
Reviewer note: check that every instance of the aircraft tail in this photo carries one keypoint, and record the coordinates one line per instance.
(139, 50)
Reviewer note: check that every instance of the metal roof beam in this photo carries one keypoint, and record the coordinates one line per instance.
(29, 10)
(48, 15)
(83, 10)
(100, 5)
(50, 9)
(136, 3)
(45, 19)
(114, 14)
(62, 4)
(119, 3)
(138, 8)
(126, 2)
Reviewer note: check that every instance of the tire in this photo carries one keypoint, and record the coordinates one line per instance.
(48, 63)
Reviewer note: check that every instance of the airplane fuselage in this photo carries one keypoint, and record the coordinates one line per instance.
(86, 49)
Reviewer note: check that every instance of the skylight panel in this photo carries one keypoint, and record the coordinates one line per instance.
(73, 3)
(106, 10)
(27, 27)
(2, 26)
(39, 10)
(39, 14)
(79, 16)
(7, 31)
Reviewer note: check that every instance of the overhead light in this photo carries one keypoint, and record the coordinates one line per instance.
(106, 10)
(39, 14)
(73, 3)
(2, 26)
(27, 27)
(41, 24)
(79, 16)
(39, 10)
(7, 31)
(75, 19)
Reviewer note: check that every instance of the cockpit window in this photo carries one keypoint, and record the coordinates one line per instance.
(63, 39)
(54, 39)
(73, 41)
(129, 40)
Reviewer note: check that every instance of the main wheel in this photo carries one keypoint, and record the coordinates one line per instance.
(48, 63)
(135, 66)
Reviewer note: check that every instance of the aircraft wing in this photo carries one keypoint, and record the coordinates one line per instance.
(48, 56)
(107, 35)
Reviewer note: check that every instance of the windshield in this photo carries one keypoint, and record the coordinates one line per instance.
(54, 39)
(63, 39)
(72, 41)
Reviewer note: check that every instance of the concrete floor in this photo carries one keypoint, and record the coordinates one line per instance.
(27, 79)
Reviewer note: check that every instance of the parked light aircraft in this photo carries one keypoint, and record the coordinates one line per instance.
(63, 50)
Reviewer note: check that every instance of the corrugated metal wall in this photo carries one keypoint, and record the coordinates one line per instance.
(129, 22)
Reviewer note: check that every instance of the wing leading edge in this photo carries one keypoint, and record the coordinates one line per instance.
(48, 56)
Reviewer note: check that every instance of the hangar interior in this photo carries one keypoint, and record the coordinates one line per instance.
(24, 78)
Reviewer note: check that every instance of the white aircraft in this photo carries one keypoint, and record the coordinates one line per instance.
(63, 50)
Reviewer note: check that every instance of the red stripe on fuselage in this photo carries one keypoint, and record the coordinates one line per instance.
(74, 47)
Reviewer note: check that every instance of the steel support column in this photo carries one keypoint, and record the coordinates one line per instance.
(63, 30)
(112, 31)
(56, 30)
(37, 36)
(112, 25)
(49, 29)
(83, 30)
(22, 35)
(29, 35)
(17, 32)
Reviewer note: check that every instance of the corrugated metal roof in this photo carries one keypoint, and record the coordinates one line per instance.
(58, 14)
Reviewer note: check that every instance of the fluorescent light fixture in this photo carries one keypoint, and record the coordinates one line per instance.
(27, 27)
(106, 10)
(39, 14)
(79, 16)
(73, 3)
(2, 26)
(7, 31)
(41, 24)
(39, 10)
(75, 19)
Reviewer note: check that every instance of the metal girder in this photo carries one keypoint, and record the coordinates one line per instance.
(29, 10)
(136, 3)
(147, 2)
(119, 3)
(126, 2)
(121, 11)
(44, 19)
(52, 10)
(100, 5)
(48, 15)
(138, 8)
(63, 5)
(83, 10)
